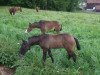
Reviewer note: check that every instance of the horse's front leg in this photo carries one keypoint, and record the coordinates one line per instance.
(50, 54)
(57, 30)
(44, 56)
(10, 13)
(43, 31)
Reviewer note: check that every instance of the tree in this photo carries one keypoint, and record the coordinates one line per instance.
(59, 5)
(72, 5)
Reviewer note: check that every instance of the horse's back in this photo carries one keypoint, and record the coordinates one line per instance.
(47, 25)
(55, 41)
(56, 36)
(51, 41)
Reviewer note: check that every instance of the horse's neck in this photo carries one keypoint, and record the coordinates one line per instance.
(33, 41)
(36, 25)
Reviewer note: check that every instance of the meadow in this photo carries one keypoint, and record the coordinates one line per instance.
(84, 26)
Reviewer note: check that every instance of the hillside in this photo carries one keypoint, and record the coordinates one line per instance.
(84, 26)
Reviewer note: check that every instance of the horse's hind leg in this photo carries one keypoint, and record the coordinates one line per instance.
(58, 31)
(43, 31)
(60, 27)
(50, 54)
(13, 12)
(74, 57)
(71, 54)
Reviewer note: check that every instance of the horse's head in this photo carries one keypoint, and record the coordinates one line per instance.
(31, 26)
(24, 47)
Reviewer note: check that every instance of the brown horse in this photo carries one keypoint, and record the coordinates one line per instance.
(45, 26)
(13, 10)
(47, 42)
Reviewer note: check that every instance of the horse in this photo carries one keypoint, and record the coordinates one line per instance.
(48, 42)
(44, 26)
(37, 9)
(13, 10)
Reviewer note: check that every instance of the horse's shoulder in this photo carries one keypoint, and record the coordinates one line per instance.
(42, 24)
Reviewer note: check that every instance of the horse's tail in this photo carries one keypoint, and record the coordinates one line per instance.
(77, 44)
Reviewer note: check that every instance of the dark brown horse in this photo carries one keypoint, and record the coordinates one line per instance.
(47, 42)
(45, 26)
(13, 10)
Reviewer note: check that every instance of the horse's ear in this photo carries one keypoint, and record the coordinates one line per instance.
(23, 40)
(29, 23)
(20, 42)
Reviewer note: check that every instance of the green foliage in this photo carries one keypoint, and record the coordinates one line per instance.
(72, 5)
(84, 26)
(4, 2)
(16, 2)
(59, 5)
(8, 51)
(8, 58)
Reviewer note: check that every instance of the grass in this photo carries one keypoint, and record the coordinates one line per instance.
(84, 26)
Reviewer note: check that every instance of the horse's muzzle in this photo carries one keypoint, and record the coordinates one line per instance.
(26, 31)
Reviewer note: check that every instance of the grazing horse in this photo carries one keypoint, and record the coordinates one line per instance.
(47, 42)
(13, 10)
(45, 26)
(37, 9)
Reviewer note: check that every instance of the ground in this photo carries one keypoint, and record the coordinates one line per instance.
(6, 71)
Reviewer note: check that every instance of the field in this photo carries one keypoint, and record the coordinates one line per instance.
(84, 26)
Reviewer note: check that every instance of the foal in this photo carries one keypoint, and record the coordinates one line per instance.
(13, 10)
(47, 42)
(37, 9)
(45, 26)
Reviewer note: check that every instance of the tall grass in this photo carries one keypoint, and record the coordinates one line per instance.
(84, 26)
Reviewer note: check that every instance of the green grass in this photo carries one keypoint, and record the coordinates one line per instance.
(84, 26)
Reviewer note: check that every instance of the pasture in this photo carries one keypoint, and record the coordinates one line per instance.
(84, 26)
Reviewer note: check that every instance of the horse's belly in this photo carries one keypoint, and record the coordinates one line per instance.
(51, 45)
(52, 42)
(56, 45)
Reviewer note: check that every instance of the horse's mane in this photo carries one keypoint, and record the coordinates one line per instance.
(38, 36)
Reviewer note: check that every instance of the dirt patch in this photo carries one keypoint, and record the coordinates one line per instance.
(6, 71)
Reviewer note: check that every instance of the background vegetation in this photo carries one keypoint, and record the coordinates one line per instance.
(84, 26)
(64, 5)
